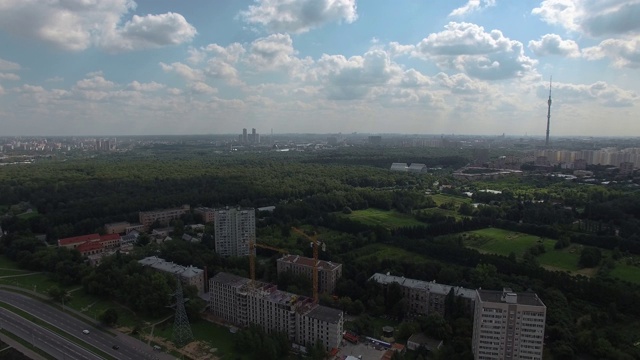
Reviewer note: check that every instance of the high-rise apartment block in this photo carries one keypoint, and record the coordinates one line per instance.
(235, 300)
(508, 325)
(425, 297)
(162, 216)
(235, 229)
(328, 272)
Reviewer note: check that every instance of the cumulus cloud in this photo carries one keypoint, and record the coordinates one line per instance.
(97, 82)
(624, 53)
(274, 52)
(552, 44)
(150, 86)
(78, 25)
(460, 84)
(592, 17)
(9, 76)
(201, 88)
(397, 49)
(6, 65)
(150, 31)
(471, 6)
(185, 71)
(485, 55)
(600, 92)
(353, 78)
(299, 16)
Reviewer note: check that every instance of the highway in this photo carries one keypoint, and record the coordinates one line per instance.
(129, 348)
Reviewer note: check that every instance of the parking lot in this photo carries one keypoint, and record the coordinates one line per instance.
(366, 349)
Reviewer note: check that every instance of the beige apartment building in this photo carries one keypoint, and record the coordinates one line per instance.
(208, 214)
(508, 325)
(162, 216)
(425, 297)
(235, 300)
(328, 272)
(116, 228)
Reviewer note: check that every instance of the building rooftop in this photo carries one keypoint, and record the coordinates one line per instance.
(169, 267)
(522, 298)
(229, 279)
(120, 223)
(78, 239)
(432, 287)
(423, 340)
(325, 314)
(308, 262)
(108, 237)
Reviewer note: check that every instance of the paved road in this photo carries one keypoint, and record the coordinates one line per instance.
(42, 338)
(102, 340)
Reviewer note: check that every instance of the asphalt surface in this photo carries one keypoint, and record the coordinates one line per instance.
(129, 348)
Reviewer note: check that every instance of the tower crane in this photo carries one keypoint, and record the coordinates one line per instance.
(252, 257)
(314, 243)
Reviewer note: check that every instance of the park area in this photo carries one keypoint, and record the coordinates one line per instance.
(388, 219)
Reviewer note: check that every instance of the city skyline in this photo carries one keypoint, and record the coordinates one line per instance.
(119, 67)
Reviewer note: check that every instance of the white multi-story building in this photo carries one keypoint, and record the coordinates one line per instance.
(328, 272)
(508, 325)
(235, 300)
(235, 229)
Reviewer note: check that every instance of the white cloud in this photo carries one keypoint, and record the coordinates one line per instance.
(78, 25)
(471, 6)
(552, 44)
(397, 49)
(201, 88)
(150, 31)
(151, 86)
(55, 79)
(601, 92)
(298, 16)
(592, 17)
(6, 65)
(485, 55)
(185, 71)
(2, 92)
(9, 76)
(97, 82)
(460, 84)
(274, 52)
(624, 53)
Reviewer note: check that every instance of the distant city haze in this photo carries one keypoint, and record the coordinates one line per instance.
(117, 67)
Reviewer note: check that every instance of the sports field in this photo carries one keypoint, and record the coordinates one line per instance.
(503, 242)
(388, 219)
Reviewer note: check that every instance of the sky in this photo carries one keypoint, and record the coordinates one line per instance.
(151, 67)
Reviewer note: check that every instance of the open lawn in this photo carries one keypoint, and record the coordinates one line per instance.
(565, 259)
(625, 272)
(376, 252)
(503, 242)
(388, 219)
(444, 212)
(444, 198)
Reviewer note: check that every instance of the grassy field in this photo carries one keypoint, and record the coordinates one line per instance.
(503, 242)
(444, 212)
(389, 219)
(376, 252)
(623, 271)
(443, 198)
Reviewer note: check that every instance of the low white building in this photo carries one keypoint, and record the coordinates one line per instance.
(399, 167)
(189, 275)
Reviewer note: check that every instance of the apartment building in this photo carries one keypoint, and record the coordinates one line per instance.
(508, 325)
(147, 218)
(116, 228)
(188, 275)
(208, 214)
(328, 272)
(235, 300)
(424, 297)
(235, 229)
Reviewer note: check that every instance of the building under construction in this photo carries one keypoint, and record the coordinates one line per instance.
(328, 272)
(240, 302)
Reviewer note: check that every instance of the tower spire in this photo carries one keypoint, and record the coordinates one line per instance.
(546, 143)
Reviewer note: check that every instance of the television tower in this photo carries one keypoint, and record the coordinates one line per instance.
(546, 143)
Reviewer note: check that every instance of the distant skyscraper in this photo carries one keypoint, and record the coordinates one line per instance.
(234, 230)
(546, 143)
(244, 136)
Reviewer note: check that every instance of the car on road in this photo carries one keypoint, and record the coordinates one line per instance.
(86, 332)
(115, 347)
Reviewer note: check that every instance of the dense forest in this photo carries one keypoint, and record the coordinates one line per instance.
(587, 316)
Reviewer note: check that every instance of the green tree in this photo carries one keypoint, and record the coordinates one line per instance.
(590, 257)
(109, 317)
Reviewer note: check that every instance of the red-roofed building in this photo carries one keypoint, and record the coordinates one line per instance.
(90, 248)
(74, 242)
(110, 241)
